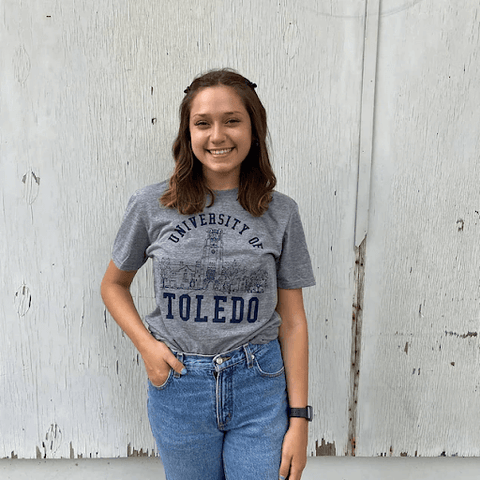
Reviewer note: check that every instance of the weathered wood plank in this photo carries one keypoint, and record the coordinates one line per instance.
(88, 113)
(418, 382)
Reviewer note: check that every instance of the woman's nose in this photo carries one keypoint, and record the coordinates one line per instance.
(217, 134)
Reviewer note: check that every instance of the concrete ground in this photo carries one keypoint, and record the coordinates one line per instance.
(320, 468)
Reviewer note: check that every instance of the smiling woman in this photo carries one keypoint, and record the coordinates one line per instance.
(233, 96)
(226, 350)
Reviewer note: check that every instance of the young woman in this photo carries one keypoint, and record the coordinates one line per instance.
(226, 349)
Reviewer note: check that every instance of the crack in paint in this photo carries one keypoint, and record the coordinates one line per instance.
(22, 65)
(53, 440)
(32, 184)
(22, 300)
(465, 335)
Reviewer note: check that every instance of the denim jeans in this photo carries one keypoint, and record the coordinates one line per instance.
(225, 419)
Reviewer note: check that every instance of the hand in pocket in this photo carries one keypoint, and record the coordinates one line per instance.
(158, 360)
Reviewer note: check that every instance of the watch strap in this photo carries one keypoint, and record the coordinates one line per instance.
(306, 412)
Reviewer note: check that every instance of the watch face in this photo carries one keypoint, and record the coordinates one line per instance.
(309, 413)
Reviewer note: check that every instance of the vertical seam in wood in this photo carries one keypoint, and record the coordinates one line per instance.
(357, 323)
(365, 153)
(367, 112)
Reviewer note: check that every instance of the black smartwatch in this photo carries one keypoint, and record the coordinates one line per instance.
(301, 413)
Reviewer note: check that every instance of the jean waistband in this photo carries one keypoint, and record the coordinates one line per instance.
(222, 360)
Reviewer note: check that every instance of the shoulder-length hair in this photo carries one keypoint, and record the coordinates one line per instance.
(188, 190)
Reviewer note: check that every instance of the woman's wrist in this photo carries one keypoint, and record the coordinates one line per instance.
(145, 342)
(299, 425)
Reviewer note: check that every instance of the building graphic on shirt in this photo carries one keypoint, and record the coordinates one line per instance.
(212, 272)
(212, 256)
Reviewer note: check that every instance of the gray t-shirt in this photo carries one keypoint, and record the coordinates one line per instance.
(216, 273)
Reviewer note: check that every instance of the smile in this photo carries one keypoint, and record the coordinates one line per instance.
(221, 152)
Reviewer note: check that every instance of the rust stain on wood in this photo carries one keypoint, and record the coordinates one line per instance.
(357, 319)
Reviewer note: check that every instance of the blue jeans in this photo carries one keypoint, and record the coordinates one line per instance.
(225, 419)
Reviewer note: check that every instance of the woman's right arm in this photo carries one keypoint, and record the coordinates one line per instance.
(157, 357)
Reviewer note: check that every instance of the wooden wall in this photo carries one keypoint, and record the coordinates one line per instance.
(373, 115)
(419, 388)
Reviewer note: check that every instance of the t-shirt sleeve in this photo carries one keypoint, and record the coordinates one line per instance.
(132, 241)
(294, 267)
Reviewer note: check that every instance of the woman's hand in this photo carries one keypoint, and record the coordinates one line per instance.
(294, 450)
(158, 360)
(156, 355)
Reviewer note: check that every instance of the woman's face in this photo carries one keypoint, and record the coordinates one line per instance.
(221, 135)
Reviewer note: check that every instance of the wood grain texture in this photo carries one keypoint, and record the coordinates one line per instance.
(420, 351)
(88, 113)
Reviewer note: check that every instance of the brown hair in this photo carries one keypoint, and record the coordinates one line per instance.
(188, 190)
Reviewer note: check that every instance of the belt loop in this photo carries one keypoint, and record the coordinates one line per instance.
(248, 355)
(180, 359)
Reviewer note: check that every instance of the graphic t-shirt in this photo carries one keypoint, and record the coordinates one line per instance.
(216, 273)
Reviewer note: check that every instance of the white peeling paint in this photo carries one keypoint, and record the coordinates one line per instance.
(418, 392)
(88, 113)
(32, 186)
(22, 300)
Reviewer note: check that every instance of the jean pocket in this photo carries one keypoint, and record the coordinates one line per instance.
(268, 360)
(165, 383)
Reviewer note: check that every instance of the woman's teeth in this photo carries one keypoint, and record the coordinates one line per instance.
(221, 152)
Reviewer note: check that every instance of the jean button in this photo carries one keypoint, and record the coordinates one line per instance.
(219, 361)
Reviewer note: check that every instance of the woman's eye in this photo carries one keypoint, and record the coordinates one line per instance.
(233, 120)
(201, 124)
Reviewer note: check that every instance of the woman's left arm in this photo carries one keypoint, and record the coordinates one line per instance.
(293, 337)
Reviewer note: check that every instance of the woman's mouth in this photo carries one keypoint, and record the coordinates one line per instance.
(222, 151)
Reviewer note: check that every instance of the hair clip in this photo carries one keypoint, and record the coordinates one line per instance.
(187, 89)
